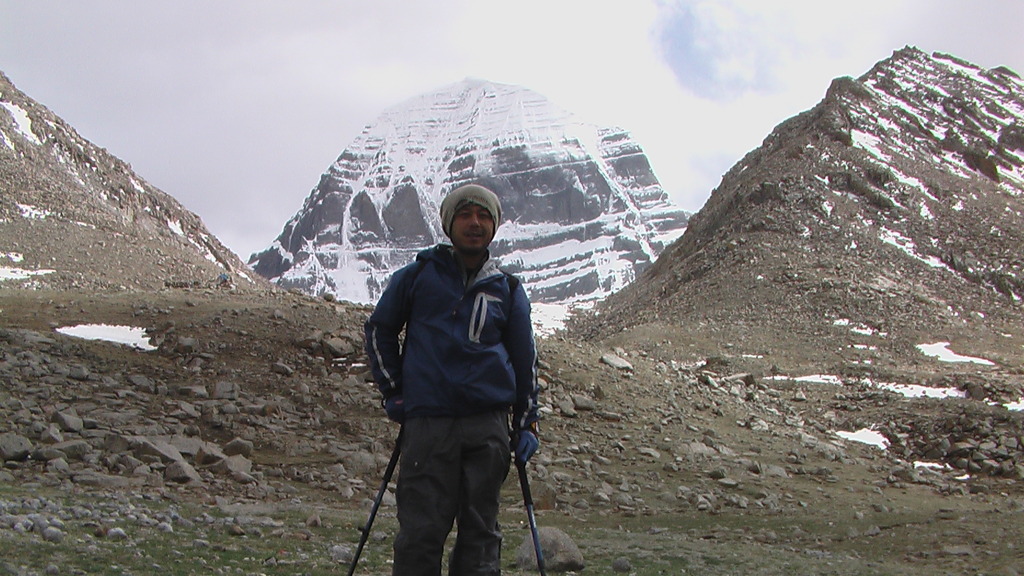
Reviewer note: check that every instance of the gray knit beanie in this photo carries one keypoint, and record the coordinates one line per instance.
(469, 194)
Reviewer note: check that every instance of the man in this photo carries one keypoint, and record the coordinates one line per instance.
(468, 361)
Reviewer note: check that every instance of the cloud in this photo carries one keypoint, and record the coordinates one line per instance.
(741, 67)
(727, 49)
(709, 49)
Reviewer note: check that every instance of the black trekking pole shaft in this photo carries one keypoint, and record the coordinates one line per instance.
(388, 472)
(524, 483)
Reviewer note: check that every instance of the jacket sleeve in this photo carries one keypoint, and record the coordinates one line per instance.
(522, 349)
(383, 331)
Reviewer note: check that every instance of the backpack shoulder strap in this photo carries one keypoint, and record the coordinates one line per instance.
(407, 302)
(513, 282)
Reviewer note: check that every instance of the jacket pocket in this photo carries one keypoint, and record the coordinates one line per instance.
(487, 319)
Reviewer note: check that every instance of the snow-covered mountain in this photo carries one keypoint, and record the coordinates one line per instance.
(583, 212)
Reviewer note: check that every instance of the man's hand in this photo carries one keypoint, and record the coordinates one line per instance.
(525, 443)
(395, 408)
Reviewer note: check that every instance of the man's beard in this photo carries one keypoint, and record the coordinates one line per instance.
(472, 251)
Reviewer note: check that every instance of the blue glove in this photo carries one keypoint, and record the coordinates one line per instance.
(526, 444)
(395, 408)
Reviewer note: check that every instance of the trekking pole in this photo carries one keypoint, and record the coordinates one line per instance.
(388, 472)
(524, 482)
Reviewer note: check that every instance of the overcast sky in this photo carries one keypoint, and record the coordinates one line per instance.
(236, 107)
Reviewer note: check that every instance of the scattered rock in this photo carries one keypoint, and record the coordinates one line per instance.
(182, 472)
(621, 565)
(616, 361)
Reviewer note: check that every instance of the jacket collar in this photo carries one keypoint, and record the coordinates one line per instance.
(445, 255)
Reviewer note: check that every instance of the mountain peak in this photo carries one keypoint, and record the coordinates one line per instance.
(584, 212)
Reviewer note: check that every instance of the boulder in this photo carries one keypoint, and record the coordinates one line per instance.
(182, 472)
(14, 447)
(561, 554)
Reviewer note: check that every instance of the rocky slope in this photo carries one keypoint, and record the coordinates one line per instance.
(889, 215)
(583, 212)
(74, 216)
(251, 437)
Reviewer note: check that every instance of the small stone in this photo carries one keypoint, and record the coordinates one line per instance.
(239, 446)
(282, 368)
(78, 372)
(342, 554)
(68, 422)
(224, 390)
(616, 362)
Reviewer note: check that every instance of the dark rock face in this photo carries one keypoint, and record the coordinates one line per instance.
(583, 212)
(406, 222)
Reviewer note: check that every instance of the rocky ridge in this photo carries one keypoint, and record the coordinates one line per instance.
(74, 216)
(888, 214)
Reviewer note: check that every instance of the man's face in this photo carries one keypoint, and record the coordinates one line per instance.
(472, 229)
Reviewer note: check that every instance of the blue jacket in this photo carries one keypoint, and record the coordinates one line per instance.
(467, 349)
